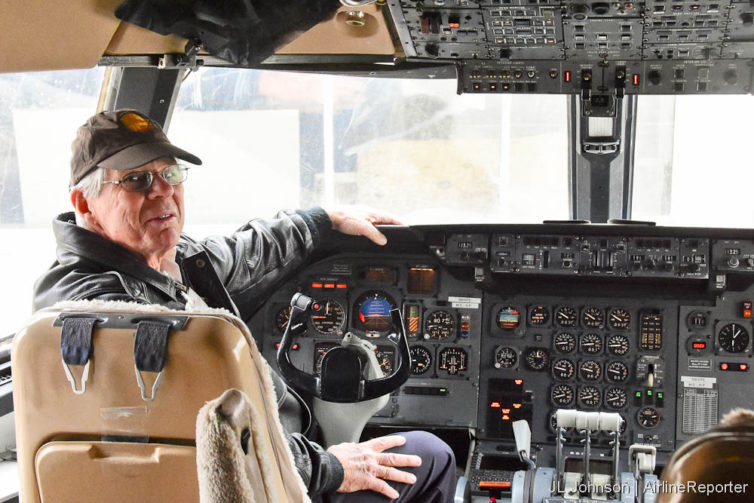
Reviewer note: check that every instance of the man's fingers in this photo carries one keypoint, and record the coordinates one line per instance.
(380, 444)
(396, 475)
(392, 459)
(371, 232)
(382, 487)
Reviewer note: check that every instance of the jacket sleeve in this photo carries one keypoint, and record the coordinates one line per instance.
(321, 472)
(254, 259)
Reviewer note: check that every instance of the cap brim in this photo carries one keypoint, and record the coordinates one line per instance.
(140, 154)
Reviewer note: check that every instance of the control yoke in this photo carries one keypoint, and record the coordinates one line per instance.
(342, 377)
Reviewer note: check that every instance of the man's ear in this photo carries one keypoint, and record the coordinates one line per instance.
(81, 205)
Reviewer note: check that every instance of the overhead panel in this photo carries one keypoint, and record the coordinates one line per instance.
(591, 48)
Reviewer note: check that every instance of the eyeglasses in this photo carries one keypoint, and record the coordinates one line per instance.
(141, 181)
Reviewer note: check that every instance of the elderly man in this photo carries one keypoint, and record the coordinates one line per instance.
(124, 242)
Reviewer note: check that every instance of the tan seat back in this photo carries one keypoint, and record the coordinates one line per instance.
(108, 444)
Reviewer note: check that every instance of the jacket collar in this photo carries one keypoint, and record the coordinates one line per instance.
(81, 242)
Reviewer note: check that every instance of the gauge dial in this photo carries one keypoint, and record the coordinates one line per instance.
(733, 338)
(591, 344)
(648, 417)
(453, 360)
(537, 358)
(620, 319)
(508, 318)
(319, 353)
(386, 358)
(593, 317)
(539, 315)
(618, 345)
(505, 358)
(421, 360)
(566, 316)
(616, 372)
(615, 398)
(329, 319)
(282, 317)
(372, 312)
(562, 395)
(697, 320)
(590, 370)
(563, 369)
(564, 342)
(589, 396)
(440, 325)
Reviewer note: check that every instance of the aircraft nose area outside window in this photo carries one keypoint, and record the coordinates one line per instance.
(39, 115)
(412, 147)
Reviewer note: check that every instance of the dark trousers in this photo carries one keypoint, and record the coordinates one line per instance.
(435, 478)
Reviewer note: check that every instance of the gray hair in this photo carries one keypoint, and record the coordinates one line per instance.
(91, 184)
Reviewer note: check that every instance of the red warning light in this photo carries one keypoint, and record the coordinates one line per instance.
(518, 382)
(316, 285)
(495, 405)
(699, 345)
(506, 417)
(516, 405)
(724, 366)
(454, 25)
(567, 76)
(636, 79)
(329, 285)
(341, 285)
(744, 366)
(506, 411)
(747, 309)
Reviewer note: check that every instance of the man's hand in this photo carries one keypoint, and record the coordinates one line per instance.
(360, 221)
(365, 466)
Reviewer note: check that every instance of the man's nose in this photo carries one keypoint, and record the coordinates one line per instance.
(160, 188)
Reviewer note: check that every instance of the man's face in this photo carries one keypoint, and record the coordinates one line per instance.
(148, 223)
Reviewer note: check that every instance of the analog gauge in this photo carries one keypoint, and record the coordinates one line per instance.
(648, 417)
(591, 344)
(563, 369)
(590, 370)
(562, 395)
(616, 371)
(329, 319)
(508, 318)
(564, 342)
(566, 316)
(452, 360)
(421, 360)
(697, 320)
(505, 358)
(539, 315)
(617, 345)
(385, 357)
(282, 317)
(537, 358)
(589, 396)
(619, 319)
(372, 312)
(615, 398)
(733, 338)
(440, 325)
(319, 353)
(593, 317)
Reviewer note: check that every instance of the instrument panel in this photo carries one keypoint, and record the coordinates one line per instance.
(514, 322)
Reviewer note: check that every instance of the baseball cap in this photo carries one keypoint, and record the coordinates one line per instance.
(122, 140)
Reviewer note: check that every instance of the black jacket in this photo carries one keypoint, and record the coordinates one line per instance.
(235, 272)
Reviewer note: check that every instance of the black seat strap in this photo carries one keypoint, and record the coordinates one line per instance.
(150, 352)
(76, 348)
(76, 340)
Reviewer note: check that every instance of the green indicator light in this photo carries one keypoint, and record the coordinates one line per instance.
(649, 392)
(443, 390)
(659, 395)
(638, 394)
